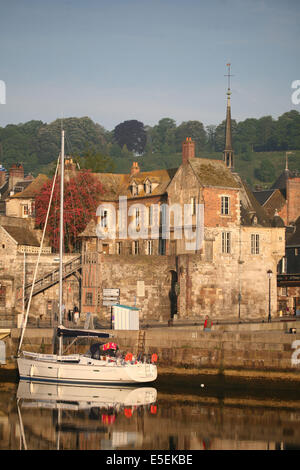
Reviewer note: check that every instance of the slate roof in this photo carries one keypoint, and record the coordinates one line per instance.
(33, 187)
(263, 196)
(294, 238)
(22, 235)
(280, 183)
(116, 185)
(251, 208)
(213, 173)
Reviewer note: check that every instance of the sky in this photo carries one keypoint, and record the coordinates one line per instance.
(115, 60)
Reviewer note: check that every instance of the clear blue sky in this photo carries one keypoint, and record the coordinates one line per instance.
(115, 60)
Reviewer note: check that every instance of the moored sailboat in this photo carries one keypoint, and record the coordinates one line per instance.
(76, 368)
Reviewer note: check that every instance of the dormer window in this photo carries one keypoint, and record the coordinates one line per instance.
(148, 187)
(134, 189)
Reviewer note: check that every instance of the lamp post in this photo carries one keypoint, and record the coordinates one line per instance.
(269, 272)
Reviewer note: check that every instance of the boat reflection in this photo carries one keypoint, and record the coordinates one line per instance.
(92, 417)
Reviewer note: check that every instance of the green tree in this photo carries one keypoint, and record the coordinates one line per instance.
(193, 129)
(96, 162)
(266, 171)
(132, 134)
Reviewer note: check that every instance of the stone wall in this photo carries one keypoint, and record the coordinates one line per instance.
(144, 282)
(45, 304)
(264, 347)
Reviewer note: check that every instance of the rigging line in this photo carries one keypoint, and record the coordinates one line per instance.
(24, 320)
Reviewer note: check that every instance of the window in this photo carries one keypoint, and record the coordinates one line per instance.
(119, 248)
(135, 248)
(89, 298)
(226, 242)
(103, 218)
(134, 189)
(283, 265)
(162, 246)
(225, 205)
(254, 244)
(193, 204)
(149, 247)
(148, 187)
(284, 291)
(25, 209)
(137, 217)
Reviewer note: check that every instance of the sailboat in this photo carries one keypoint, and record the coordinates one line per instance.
(93, 368)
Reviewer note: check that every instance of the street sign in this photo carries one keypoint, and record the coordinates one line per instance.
(111, 292)
(109, 303)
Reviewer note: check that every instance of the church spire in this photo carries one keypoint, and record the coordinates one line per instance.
(228, 151)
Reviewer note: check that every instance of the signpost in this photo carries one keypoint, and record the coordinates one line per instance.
(110, 297)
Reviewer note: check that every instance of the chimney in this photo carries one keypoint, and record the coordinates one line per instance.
(188, 150)
(16, 174)
(135, 168)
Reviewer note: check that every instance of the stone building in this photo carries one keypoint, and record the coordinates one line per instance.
(12, 182)
(19, 247)
(282, 203)
(213, 260)
(21, 201)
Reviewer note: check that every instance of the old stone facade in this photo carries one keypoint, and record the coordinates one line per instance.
(223, 275)
(19, 247)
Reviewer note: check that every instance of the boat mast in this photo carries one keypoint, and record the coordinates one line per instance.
(61, 234)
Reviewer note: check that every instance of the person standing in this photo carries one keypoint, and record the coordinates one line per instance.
(207, 324)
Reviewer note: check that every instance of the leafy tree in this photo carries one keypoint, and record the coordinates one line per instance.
(132, 134)
(266, 171)
(81, 197)
(163, 136)
(96, 162)
(193, 129)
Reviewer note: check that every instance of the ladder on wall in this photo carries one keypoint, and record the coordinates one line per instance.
(141, 342)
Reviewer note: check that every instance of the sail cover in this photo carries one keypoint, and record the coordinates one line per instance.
(73, 333)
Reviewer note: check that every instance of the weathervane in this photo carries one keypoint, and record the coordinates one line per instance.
(228, 75)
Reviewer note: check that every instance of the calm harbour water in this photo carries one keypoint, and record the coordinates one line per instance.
(176, 413)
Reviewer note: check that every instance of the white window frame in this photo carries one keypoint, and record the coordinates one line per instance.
(135, 247)
(225, 205)
(149, 247)
(255, 244)
(104, 218)
(226, 242)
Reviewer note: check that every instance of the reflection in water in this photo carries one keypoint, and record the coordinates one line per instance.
(84, 417)
(43, 416)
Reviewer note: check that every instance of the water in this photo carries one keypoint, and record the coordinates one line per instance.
(177, 413)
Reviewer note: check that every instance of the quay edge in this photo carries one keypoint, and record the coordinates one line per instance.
(260, 351)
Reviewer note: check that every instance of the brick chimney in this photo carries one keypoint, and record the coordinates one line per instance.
(16, 174)
(135, 168)
(188, 150)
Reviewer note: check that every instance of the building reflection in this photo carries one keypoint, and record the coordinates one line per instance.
(38, 416)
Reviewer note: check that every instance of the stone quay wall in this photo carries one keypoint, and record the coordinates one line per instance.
(263, 348)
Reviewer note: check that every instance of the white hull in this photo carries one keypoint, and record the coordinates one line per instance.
(84, 371)
(60, 396)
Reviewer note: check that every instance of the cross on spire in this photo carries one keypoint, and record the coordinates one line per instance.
(228, 75)
(228, 151)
